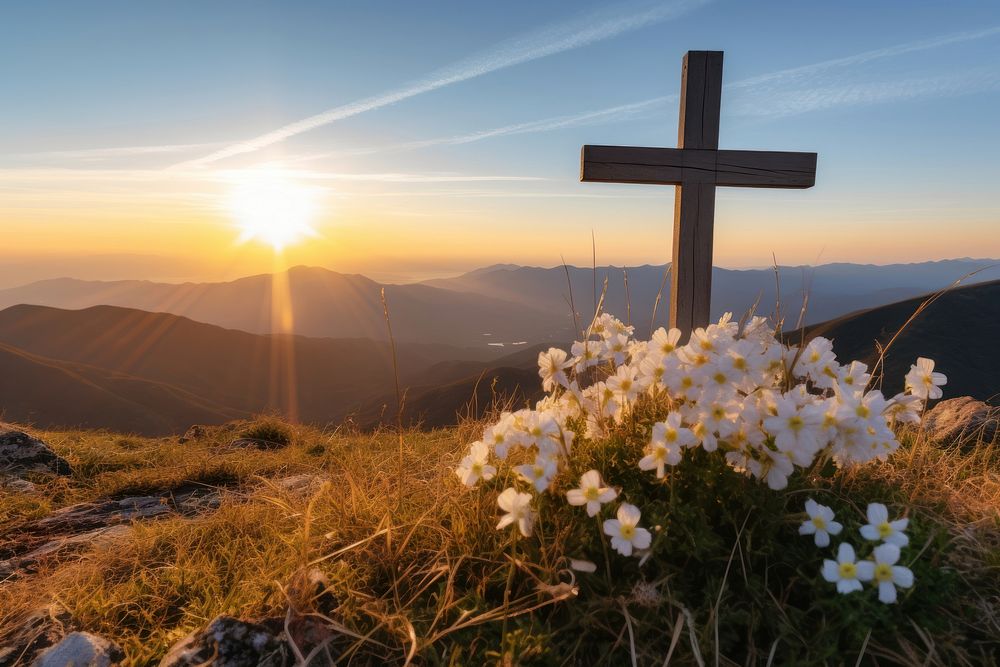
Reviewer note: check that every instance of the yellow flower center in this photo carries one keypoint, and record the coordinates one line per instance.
(670, 435)
(883, 572)
(686, 382)
(795, 422)
(626, 385)
(477, 468)
(740, 364)
(819, 522)
(848, 571)
(627, 531)
(538, 471)
(718, 412)
(862, 411)
(591, 493)
(720, 378)
(667, 348)
(884, 530)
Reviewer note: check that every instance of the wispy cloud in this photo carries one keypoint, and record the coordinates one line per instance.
(98, 154)
(787, 103)
(610, 114)
(797, 74)
(582, 31)
(15, 178)
(781, 100)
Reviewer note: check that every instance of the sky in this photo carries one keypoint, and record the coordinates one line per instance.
(410, 140)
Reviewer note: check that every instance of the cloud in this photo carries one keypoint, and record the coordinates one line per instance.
(803, 72)
(778, 103)
(787, 103)
(574, 34)
(97, 154)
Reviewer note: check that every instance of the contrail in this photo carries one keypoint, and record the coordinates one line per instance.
(867, 56)
(788, 103)
(594, 27)
(615, 113)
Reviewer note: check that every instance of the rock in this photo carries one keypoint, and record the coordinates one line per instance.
(298, 484)
(196, 432)
(18, 485)
(229, 642)
(80, 649)
(85, 525)
(20, 453)
(61, 545)
(962, 421)
(27, 636)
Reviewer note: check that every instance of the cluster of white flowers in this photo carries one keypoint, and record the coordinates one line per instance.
(767, 407)
(847, 572)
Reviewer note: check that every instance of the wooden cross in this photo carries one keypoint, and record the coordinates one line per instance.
(696, 167)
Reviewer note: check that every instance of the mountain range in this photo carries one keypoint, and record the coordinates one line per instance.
(498, 304)
(156, 373)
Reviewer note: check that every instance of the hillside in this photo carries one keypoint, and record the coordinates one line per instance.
(960, 331)
(329, 539)
(320, 380)
(47, 392)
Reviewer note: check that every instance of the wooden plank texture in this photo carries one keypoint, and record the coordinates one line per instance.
(691, 270)
(701, 100)
(676, 166)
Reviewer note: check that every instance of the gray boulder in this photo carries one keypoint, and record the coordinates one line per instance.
(962, 421)
(80, 649)
(20, 453)
(229, 642)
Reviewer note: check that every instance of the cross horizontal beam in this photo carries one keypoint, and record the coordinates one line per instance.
(680, 166)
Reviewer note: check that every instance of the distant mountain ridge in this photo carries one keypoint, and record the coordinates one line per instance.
(157, 373)
(501, 303)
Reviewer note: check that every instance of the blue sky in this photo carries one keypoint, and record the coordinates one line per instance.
(141, 111)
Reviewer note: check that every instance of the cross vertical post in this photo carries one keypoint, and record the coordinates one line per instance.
(696, 167)
(694, 203)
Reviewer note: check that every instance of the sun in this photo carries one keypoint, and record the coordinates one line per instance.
(270, 206)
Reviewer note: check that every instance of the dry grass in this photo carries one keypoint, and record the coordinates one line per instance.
(414, 569)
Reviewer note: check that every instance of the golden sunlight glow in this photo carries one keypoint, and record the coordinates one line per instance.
(271, 207)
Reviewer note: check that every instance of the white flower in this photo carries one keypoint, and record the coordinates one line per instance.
(845, 572)
(880, 528)
(585, 354)
(624, 384)
(796, 430)
(624, 531)
(518, 510)
(820, 523)
(665, 446)
(884, 572)
(551, 368)
(474, 466)
(923, 382)
(591, 493)
(666, 341)
(539, 473)
(905, 408)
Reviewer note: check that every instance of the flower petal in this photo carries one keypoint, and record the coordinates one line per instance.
(877, 513)
(902, 576)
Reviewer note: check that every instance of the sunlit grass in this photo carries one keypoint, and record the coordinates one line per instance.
(415, 567)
